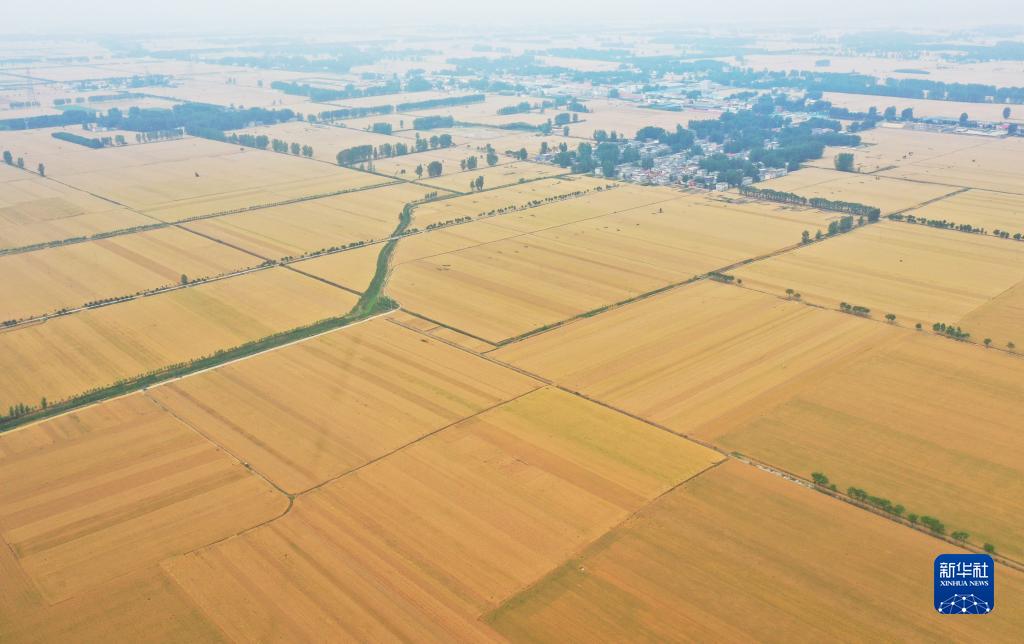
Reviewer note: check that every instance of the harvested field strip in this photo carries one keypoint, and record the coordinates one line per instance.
(770, 548)
(441, 531)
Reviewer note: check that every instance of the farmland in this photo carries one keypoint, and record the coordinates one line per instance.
(739, 533)
(294, 414)
(553, 269)
(458, 522)
(890, 195)
(79, 490)
(69, 355)
(891, 268)
(384, 326)
(55, 278)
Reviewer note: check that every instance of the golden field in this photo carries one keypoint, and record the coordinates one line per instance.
(884, 147)
(979, 208)
(922, 107)
(921, 274)
(540, 266)
(298, 415)
(160, 179)
(785, 383)
(35, 210)
(890, 195)
(326, 140)
(993, 166)
(442, 531)
(44, 281)
(495, 176)
(626, 118)
(293, 229)
(737, 554)
(67, 355)
(112, 489)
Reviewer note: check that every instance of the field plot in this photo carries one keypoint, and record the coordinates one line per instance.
(885, 147)
(873, 406)
(47, 280)
(326, 140)
(298, 415)
(294, 229)
(993, 166)
(873, 190)
(442, 531)
(173, 180)
(217, 91)
(921, 274)
(34, 209)
(499, 175)
(68, 355)
(353, 268)
(91, 496)
(922, 107)
(979, 208)
(794, 566)
(1001, 318)
(626, 118)
(550, 270)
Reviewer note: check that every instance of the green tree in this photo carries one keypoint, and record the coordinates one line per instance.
(434, 169)
(480, 182)
(989, 548)
(8, 157)
(42, 170)
(419, 171)
(1006, 112)
(184, 279)
(806, 237)
(891, 317)
(471, 163)
(960, 535)
(963, 118)
(844, 162)
(1011, 346)
(907, 114)
(819, 479)
(987, 341)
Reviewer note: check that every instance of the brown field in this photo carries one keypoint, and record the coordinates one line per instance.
(34, 209)
(890, 195)
(885, 147)
(159, 179)
(499, 175)
(91, 496)
(979, 208)
(46, 280)
(550, 269)
(298, 415)
(298, 228)
(796, 396)
(921, 274)
(441, 531)
(737, 554)
(68, 355)
(994, 166)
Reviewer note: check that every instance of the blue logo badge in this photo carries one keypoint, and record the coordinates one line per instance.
(964, 584)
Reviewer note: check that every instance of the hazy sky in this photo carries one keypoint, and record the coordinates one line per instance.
(234, 16)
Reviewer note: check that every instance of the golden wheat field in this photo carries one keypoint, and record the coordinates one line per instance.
(68, 355)
(921, 107)
(784, 382)
(326, 140)
(530, 278)
(883, 148)
(297, 415)
(738, 554)
(115, 488)
(890, 195)
(443, 531)
(308, 226)
(44, 281)
(34, 210)
(993, 166)
(980, 209)
(495, 176)
(920, 274)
